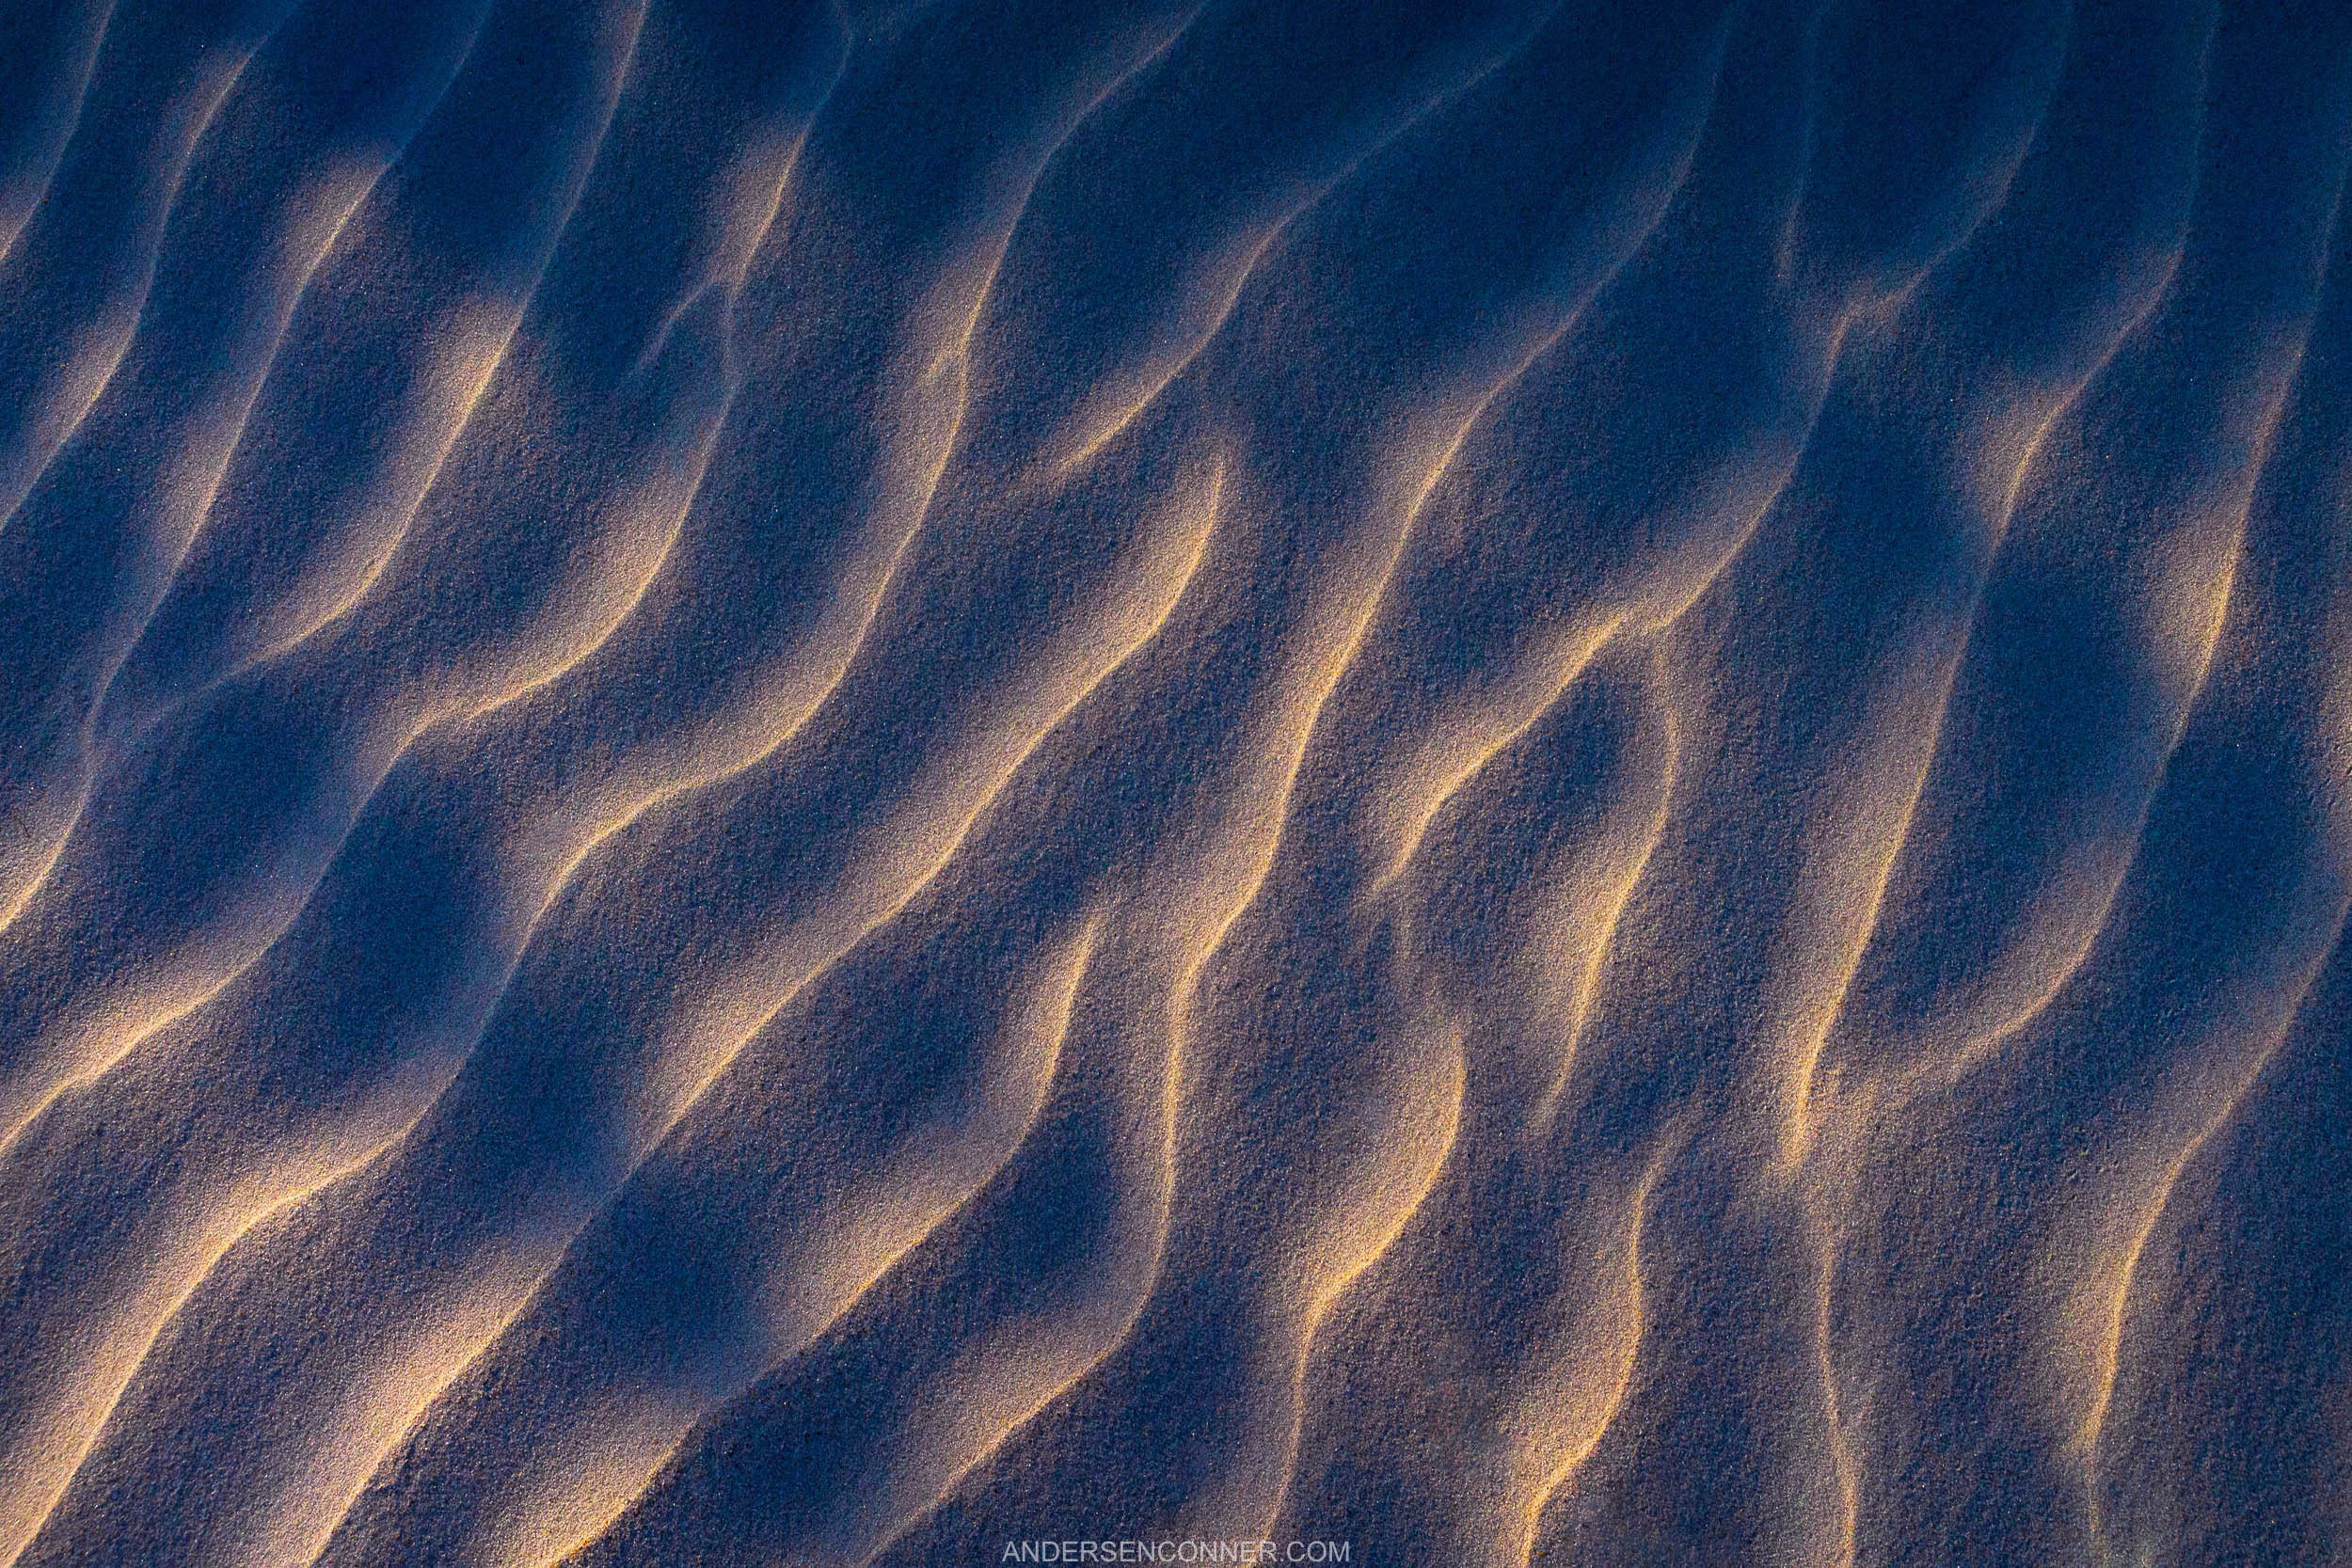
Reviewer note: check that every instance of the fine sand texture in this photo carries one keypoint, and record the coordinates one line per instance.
(1486, 782)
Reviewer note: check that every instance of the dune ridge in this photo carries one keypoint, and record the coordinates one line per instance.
(835, 782)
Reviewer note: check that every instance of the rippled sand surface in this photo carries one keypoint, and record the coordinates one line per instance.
(1483, 783)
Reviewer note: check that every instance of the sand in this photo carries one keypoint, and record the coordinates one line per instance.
(1488, 783)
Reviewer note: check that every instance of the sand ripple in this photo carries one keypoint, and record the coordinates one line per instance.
(848, 782)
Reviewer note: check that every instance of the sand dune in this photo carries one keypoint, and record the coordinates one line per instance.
(863, 784)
